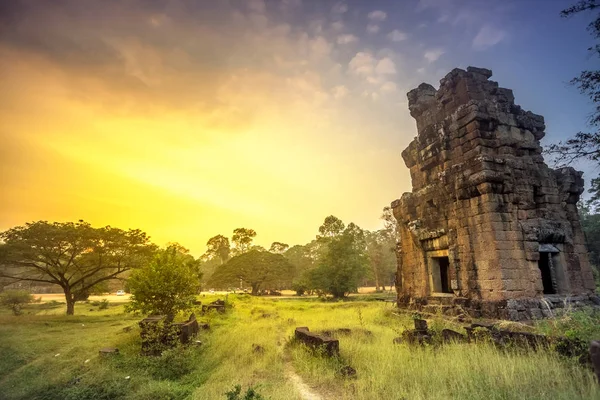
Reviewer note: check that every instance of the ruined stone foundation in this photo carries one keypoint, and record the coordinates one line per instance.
(489, 228)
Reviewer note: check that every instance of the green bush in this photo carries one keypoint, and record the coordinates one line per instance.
(15, 299)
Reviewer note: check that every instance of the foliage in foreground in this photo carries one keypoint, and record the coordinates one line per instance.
(236, 394)
(166, 285)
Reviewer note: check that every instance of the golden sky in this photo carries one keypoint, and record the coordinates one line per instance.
(151, 119)
(190, 118)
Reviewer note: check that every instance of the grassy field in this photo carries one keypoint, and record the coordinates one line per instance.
(45, 355)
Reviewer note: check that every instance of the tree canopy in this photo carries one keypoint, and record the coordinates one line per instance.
(278, 247)
(74, 256)
(218, 247)
(331, 227)
(343, 264)
(242, 239)
(166, 285)
(258, 269)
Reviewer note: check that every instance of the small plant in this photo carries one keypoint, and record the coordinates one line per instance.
(416, 315)
(103, 304)
(15, 299)
(361, 320)
(236, 394)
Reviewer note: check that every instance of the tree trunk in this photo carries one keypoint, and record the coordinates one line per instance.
(376, 276)
(70, 306)
(70, 301)
(255, 287)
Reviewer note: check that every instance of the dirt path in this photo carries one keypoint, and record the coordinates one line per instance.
(305, 391)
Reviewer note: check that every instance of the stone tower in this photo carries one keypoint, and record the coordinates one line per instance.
(488, 226)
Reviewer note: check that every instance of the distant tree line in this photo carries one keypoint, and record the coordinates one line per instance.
(339, 260)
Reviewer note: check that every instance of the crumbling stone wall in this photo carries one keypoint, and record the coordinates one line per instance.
(485, 208)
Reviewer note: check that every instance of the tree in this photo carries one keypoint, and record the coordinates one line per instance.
(343, 265)
(278, 247)
(74, 256)
(218, 247)
(303, 260)
(166, 285)
(242, 239)
(256, 268)
(332, 227)
(585, 145)
(14, 299)
(381, 252)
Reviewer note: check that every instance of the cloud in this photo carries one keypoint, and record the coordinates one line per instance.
(433, 55)
(337, 25)
(347, 38)
(372, 28)
(290, 4)
(362, 63)
(377, 15)
(339, 8)
(339, 91)
(257, 6)
(388, 87)
(374, 71)
(487, 37)
(320, 47)
(385, 66)
(397, 36)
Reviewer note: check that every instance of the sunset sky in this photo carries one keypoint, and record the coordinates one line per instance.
(189, 118)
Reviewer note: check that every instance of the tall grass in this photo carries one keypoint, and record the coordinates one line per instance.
(251, 346)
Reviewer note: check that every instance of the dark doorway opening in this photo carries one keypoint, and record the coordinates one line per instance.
(544, 265)
(444, 265)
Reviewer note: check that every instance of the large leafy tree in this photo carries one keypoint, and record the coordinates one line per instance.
(259, 269)
(74, 256)
(242, 239)
(585, 145)
(343, 264)
(167, 284)
(218, 247)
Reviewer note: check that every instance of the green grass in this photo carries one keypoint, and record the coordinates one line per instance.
(31, 369)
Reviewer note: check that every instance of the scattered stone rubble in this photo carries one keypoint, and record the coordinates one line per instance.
(157, 334)
(329, 345)
(489, 229)
(489, 332)
(217, 305)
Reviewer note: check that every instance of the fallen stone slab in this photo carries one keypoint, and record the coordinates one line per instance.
(449, 336)
(329, 345)
(108, 351)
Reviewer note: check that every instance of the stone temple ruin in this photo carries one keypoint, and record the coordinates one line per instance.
(489, 228)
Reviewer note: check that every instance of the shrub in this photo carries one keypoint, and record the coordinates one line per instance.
(103, 304)
(165, 286)
(15, 299)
